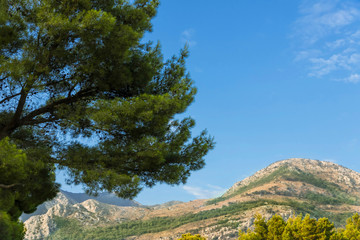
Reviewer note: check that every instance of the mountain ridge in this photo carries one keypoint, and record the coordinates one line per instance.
(291, 162)
(286, 187)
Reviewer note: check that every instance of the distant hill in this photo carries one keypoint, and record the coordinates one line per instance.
(69, 198)
(287, 187)
(109, 198)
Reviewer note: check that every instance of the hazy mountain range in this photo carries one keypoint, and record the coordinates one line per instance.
(292, 186)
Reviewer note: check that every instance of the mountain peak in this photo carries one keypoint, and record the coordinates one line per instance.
(304, 163)
(344, 177)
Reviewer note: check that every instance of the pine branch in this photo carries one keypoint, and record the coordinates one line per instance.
(51, 106)
(9, 97)
(9, 186)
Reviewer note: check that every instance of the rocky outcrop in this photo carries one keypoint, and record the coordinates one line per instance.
(61, 199)
(68, 198)
(89, 212)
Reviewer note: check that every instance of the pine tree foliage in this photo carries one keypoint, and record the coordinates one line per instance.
(81, 91)
(80, 69)
(25, 183)
(10, 229)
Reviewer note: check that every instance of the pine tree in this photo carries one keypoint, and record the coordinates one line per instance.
(292, 230)
(81, 91)
(352, 228)
(260, 230)
(276, 226)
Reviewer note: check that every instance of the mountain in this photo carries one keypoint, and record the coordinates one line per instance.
(109, 198)
(69, 198)
(286, 187)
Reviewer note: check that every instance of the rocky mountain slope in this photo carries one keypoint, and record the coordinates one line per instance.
(67, 198)
(287, 187)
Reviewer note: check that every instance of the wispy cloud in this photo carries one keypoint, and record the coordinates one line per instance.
(353, 78)
(187, 37)
(341, 61)
(209, 191)
(322, 17)
(336, 44)
(327, 36)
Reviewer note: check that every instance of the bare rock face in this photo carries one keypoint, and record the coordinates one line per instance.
(90, 212)
(40, 226)
(285, 187)
(61, 199)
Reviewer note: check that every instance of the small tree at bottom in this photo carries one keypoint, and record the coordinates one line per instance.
(188, 236)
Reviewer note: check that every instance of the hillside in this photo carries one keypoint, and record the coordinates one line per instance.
(287, 187)
(68, 198)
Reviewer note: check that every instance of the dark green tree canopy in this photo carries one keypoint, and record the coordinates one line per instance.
(79, 68)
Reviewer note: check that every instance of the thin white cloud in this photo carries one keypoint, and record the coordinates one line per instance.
(320, 18)
(339, 18)
(187, 37)
(353, 78)
(356, 34)
(323, 66)
(306, 54)
(336, 44)
(209, 191)
(327, 36)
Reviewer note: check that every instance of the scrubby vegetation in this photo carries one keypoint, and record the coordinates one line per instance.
(188, 236)
(70, 229)
(295, 228)
(335, 195)
(251, 185)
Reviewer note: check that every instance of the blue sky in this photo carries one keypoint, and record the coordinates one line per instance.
(276, 79)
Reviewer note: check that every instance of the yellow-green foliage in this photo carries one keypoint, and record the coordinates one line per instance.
(188, 236)
(25, 183)
(10, 229)
(299, 228)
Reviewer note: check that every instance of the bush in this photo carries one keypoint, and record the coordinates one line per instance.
(188, 236)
